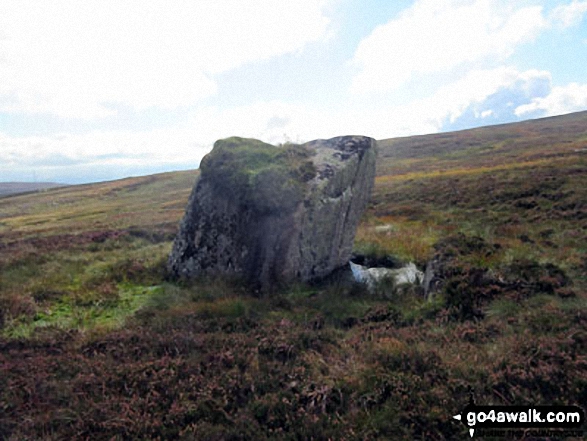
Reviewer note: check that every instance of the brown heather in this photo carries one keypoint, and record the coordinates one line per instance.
(96, 344)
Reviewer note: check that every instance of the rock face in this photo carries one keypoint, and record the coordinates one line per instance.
(275, 214)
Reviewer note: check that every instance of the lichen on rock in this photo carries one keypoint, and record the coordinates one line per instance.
(275, 214)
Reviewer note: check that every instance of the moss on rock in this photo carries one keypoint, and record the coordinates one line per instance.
(266, 177)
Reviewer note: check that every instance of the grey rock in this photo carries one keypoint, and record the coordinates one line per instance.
(431, 280)
(408, 274)
(273, 215)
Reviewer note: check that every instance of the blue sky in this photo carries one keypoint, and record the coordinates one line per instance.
(94, 91)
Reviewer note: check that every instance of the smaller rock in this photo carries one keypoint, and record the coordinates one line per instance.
(384, 228)
(432, 280)
(408, 274)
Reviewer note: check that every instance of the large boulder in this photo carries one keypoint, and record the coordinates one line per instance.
(273, 215)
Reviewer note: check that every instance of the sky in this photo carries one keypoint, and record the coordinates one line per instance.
(106, 89)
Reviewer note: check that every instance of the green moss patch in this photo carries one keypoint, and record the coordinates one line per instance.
(267, 177)
(69, 313)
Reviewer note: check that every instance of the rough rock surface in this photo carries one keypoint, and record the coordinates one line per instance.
(275, 214)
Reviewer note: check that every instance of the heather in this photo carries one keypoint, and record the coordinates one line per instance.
(97, 343)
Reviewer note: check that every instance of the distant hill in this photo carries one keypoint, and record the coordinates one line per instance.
(527, 141)
(9, 188)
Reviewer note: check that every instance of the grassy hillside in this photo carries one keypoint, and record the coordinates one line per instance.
(529, 142)
(96, 343)
(10, 188)
(67, 254)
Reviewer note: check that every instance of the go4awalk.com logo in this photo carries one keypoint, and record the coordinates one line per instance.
(566, 420)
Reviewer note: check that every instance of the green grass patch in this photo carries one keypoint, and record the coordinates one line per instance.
(71, 313)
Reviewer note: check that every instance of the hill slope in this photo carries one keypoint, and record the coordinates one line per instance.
(506, 181)
(571, 128)
(96, 344)
(9, 188)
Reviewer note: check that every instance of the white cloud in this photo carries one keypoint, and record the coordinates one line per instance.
(569, 14)
(561, 100)
(164, 146)
(78, 158)
(303, 122)
(438, 36)
(81, 157)
(451, 101)
(298, 122)
(75, 59)
(426, 115)
(182, 146)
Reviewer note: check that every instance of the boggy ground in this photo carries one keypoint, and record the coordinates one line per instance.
(97, 344)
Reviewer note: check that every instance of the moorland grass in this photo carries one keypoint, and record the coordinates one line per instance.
(96, 343)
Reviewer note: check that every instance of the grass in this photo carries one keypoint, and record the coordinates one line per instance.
(95, 343)
(403, 237)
